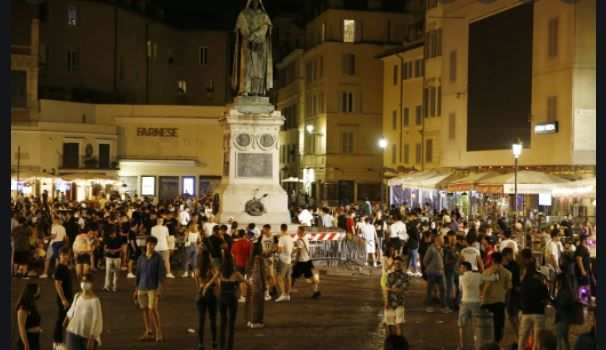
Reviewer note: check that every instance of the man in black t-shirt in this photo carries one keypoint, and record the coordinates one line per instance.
(112, 248)
(582, 268)
(64, 288)
(513, 297)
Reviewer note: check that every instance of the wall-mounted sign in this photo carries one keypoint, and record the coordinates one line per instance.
(546, 128)
(148, 185)
(158, 132)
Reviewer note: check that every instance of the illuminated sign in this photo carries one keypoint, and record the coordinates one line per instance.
(546, 128)
(148, 185)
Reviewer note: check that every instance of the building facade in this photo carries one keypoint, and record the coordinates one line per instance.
(334, 86)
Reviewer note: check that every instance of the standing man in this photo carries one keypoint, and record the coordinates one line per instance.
(472, 254)
(369, 234)
(451, 259)
(269, 248)
(285, 248)
(397, 283)
(513, 298)
(150, 274)
(533, 299)
(64, 287)
(303, 265)
(494, 294)
(469, 284)
(396, 231)
(58, 238)
(583, 260)
(434, 269)
(112, 247)
(160, 232)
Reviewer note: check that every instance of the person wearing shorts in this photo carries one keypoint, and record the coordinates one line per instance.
(269, 248)
(150, 274)
(285, 248)
(304, 266)
(397, 282)
(82, 252)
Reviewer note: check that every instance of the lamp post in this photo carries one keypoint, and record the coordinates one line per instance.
(382, 143)
(517, 151)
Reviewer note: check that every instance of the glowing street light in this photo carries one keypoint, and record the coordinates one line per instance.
(516, 148)
(309, 128)
(382, 143)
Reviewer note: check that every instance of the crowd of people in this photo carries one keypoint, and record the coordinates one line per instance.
(230, 265)
(513, 270)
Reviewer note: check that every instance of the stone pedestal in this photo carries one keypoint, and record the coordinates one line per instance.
(251, 164)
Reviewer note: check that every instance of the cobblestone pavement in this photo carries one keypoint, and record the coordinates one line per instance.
(347, 316)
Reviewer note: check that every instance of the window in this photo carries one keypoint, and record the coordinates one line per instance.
(406, 118)
(429, 151)
(429, 4)
(71, 155)
(552, 108)
(43, 55)
(104, 155)
(211, 85)
(418, 64)
(452, 126)
(395, 75)
(406, 154)
(453, 65)
(320, 67)
(393, 153)
(388, 32)
(394, 120)
(552, 42)
(73, 60)
(439, 102)
(308, 72)
(349, 30)
(314, 105)
(433, 43)
(419, 153)
(349, 64)
(419, 115)
(405, 71)
(72, 16)
(182, 87)
(323, 33)
(426, 102)
(188, 186)
(410, 70)
(148, 185)
(347, 102)
(347, 142)
(432, 100)
(310, 143)
(18, 89)
(121, 72)
(203, 59)
(152, 50)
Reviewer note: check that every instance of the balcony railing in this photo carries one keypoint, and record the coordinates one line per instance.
(89, 164)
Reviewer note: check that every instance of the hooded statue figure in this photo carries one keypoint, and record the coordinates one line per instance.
(252, 73)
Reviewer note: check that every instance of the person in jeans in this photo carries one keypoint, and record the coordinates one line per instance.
(161, 233)
(564, 307)
(150, 274)
(413, 249)
(207, 299)
(113, 249)
(433, 261)
(285, 249)
(451, 258)
(533, 298)
(84, 320)
(192, 244)
(58, 237)
(469, 284)
(494, 293)
(63, 285)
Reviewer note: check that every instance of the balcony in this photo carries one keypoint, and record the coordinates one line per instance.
(88, 164)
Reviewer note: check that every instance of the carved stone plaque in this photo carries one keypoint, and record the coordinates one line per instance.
(254, 165)
(267, 140)
(243, 140)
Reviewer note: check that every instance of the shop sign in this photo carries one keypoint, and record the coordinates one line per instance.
(546, 128)
(158, 132)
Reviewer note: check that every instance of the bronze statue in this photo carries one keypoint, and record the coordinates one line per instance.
(252, 73)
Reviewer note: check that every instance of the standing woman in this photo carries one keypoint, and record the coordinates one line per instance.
(207, 298)
(229, 286)
(82, 252)
(255, 298)
(28, 318)
(84, 321)
(192, 242)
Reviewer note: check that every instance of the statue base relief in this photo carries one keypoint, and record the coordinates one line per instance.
(250, 190)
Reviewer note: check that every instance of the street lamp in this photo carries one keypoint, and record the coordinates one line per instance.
(382, 143)
(516, 148)
(309, 128)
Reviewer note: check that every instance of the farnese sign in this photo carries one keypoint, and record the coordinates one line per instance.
(158, 132)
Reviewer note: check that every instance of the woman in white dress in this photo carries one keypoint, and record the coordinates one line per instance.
(84, 320)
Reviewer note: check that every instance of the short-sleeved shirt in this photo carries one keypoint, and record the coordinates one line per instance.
(471, 254)
(396, 279)
(582, 252)
(286, 245)
(303, 245)
(63, 275)
(268, 245)
(497, 290)
(150, 272)
(59, 232)
(161, 234)
(113, 243)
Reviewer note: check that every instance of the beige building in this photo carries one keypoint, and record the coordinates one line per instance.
(335, 88)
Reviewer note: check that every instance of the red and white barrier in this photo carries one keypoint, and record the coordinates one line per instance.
(325, 236)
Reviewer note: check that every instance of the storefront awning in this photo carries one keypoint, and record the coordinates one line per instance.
(582, 187)
(529, 182)
(469, 182)
(407, 180)
(428, 179)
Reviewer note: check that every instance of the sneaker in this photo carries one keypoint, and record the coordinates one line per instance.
(170, 275)
(316, 295)
(283, 298)
(242, 300)
(429, 309)
(131, 275)
(267, 297)
(185, 275)
(43, 276)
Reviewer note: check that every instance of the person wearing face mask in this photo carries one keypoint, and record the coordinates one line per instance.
(84, 320)
(28, 318)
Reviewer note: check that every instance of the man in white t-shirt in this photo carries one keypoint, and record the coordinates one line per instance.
(160, 231)
(57, 240)
(269, 248)
(184, 217)
(398, 234)
(472, 255)
(508, 242)
(303, 265)
(327, 219)
(285, 248)
(305, 217)
(369, 234)
(207, 226)
(553, 251)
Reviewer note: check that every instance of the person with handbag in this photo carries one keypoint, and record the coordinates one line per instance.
(84, 320)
